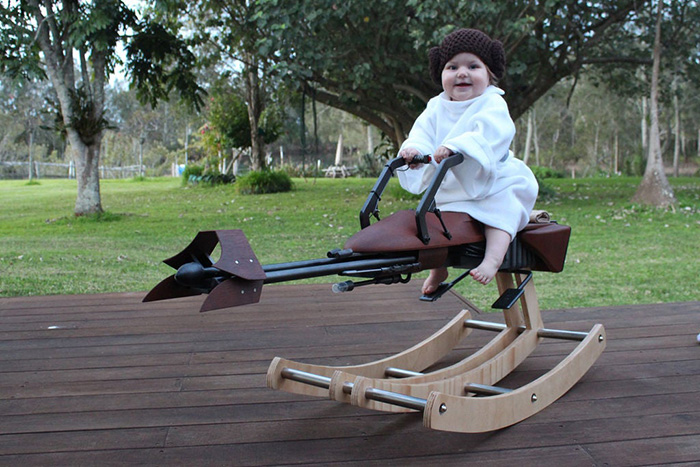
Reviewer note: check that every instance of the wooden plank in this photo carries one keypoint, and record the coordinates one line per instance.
(160, 383)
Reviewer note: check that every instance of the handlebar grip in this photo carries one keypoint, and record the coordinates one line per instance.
(421, 159)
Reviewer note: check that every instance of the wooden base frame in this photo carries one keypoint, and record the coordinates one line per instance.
(461, 397)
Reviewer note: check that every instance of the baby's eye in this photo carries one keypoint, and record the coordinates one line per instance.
(473, 66)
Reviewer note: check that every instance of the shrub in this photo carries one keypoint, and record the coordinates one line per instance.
(264, 181)
(198, 175)
(369, 166)
(191, 170)
(542, 173)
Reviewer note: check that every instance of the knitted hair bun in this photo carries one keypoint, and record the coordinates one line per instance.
(470, 41)
(435, 68)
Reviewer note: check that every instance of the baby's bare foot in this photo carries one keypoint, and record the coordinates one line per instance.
(485, 272)
(434, 279)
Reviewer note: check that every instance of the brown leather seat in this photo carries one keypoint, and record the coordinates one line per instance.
(398, 232)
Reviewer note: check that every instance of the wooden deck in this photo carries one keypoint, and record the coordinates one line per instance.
(108, 380)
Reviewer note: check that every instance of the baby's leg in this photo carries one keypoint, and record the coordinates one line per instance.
(497, 242)
(434, 279)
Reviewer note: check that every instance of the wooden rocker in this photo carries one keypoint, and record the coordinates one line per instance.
(462, 397)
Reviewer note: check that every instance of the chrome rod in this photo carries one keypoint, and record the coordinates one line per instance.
(394, 398)
(306, 378)
(484, 325)
(485, 389)
(562, 334)
(400, 373)
(544, 332)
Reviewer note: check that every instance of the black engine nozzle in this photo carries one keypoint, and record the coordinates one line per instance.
(196, 276)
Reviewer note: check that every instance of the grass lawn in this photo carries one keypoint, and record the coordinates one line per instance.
(619, 253)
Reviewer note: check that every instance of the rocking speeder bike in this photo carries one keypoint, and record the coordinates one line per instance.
(462, 397)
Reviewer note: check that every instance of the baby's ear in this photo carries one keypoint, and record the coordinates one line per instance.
(435, 71)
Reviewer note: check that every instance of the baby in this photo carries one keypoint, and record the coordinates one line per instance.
(471, 117)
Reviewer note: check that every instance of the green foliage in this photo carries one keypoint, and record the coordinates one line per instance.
(228, 117)
(191, 170)
(229, 122)
(369, 166)
(542, 173)
(271, 123)
(195, 174)
(20, 57)
(635, 165)
(264, 181)
(381, 73)
(84, 120)
(158, 61)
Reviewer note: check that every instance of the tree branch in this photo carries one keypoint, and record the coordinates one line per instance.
(631, 60)
(335, 101)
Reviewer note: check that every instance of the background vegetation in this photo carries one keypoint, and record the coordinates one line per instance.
(578, 82)
(223, 86)
(619, 253)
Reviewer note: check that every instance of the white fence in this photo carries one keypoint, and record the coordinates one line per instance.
(20, 170)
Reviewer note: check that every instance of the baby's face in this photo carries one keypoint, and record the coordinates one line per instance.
(465, 77)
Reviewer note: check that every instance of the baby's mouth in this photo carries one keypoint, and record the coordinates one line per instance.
(463, 85)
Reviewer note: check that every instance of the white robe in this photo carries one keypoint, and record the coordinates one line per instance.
(491, 185)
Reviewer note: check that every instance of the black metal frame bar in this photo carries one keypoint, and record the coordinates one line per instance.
(427, 202)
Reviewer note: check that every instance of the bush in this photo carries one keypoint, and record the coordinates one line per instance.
(369, 166)
(264, 181)
(635, 166)
(197, 175)
(191, 170)
(542, 173)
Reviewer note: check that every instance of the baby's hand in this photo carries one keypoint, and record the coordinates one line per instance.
(408, 154)
(442, 153)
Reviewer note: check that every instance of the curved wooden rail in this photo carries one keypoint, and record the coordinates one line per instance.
(414, 359)
(478, 414)
(447, 396)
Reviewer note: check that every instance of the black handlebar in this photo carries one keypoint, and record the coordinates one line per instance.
(426, 204)
(421, 159)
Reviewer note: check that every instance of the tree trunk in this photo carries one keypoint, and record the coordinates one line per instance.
(31, 159)
(616, 153)
(339, 151)
(535, 141)
(644, 126)
(87, 174)
(677, 134)
(254, 102)
(302, 131)
(655, 189)
(528, 138)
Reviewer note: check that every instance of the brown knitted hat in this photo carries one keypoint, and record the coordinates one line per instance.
(471, 41)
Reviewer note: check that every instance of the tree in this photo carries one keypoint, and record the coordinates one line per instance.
(654, 188)
(227, 39)
(47, 39)
(370, 58)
